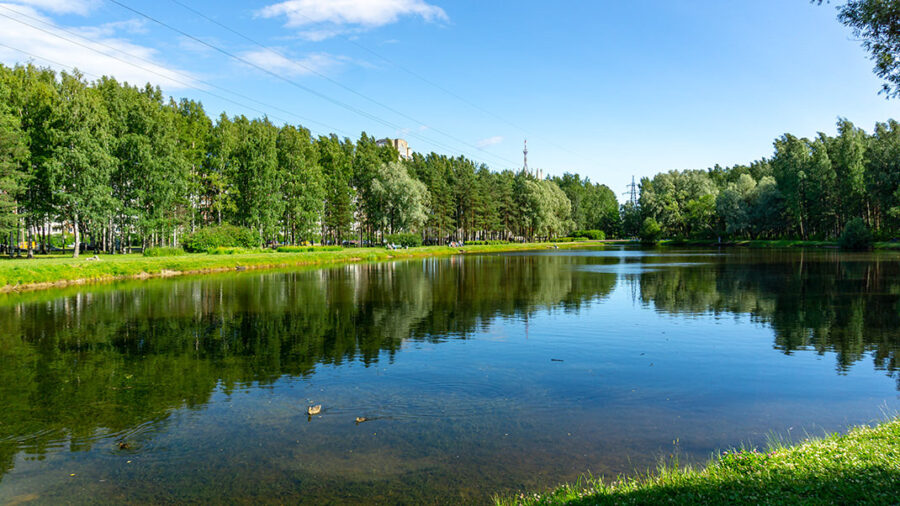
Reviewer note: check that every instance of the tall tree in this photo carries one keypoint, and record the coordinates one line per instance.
(335, 157)
(404, 199)
(80, 162)
(304, 185)
(13, 153)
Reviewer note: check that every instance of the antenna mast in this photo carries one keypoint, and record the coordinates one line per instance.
(525, 152)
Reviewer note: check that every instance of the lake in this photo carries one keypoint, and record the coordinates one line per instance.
(477, 374)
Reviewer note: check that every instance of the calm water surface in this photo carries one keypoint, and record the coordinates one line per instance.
(479, 374)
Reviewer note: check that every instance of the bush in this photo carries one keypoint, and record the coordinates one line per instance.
(564, 239)
(485, 243)
(307, 249)
(222, 250)
(594, 235)
(856, 236)
(650, 231)
(221, 236)
(163, 252)
(404, 240)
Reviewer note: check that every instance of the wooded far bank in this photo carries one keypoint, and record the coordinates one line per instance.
(115, 166)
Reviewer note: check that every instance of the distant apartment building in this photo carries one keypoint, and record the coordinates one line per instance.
(399, 144)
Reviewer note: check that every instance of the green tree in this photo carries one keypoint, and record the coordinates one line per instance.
(650, 231)
(257, 179)
(80, 162)
(13, 152)
(335, 158)
(304, 191)
(403, 199)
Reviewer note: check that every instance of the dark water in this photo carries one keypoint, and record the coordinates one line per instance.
(480, 374)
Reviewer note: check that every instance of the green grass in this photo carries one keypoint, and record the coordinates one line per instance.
(748, 243)
(860, 467)
(164, 252)
(770, 243)
(21, 273)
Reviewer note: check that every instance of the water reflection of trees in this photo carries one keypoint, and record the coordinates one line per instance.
(824, 301)
(107, 360)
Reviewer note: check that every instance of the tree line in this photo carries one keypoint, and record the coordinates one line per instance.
(808, 189)
(120, 165)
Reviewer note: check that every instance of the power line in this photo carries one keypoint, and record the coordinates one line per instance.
(131, 63)
(245, 61)
(329, 79)
(412, 73)
(95, 76)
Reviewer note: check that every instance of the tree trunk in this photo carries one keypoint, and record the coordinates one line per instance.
(30, 240)
(77, 236)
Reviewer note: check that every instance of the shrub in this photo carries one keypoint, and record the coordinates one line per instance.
(226, 236)
(223, 250)
(404, 240)
(856, 236)
(163, 252)
(307, 249)
(650, 231)
(485, 243)
(594, 235)
(564, 239)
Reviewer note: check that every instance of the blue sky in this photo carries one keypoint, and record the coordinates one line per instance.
(606, 89)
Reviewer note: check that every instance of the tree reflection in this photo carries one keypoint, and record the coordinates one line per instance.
(104, 360)
(822, 301)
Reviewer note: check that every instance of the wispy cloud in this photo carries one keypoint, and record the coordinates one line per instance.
(93, 49)
(81, 7)
(336, 17)
(309, 64)
(490, 141)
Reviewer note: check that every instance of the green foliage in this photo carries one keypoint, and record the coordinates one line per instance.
(225, 250)
(874, 22)
(399, 200)
(856, 236)
(485, 243)
(594, 235)
(124, 166)
(650, 231)
(307, 249)
(226, 236)
(403, 240)
(13, 151)
(594, 206)
(163, 251)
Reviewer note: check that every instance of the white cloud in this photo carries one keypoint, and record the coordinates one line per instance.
(490, 141)
(309, 64)
(81, 7)
(336, 14)
(51, 45)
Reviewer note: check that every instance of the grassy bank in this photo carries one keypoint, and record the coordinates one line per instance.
(774, 243)
(38, 273)
(860, 467)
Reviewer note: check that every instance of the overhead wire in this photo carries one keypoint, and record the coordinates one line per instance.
(403, 68)
(307, 89)
(330, 79)
(187, 84)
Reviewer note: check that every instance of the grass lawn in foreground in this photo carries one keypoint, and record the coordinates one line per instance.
(860, 467)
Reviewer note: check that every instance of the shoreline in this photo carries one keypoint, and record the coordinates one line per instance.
(861, 465)
(770, 243)
(26, 275)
